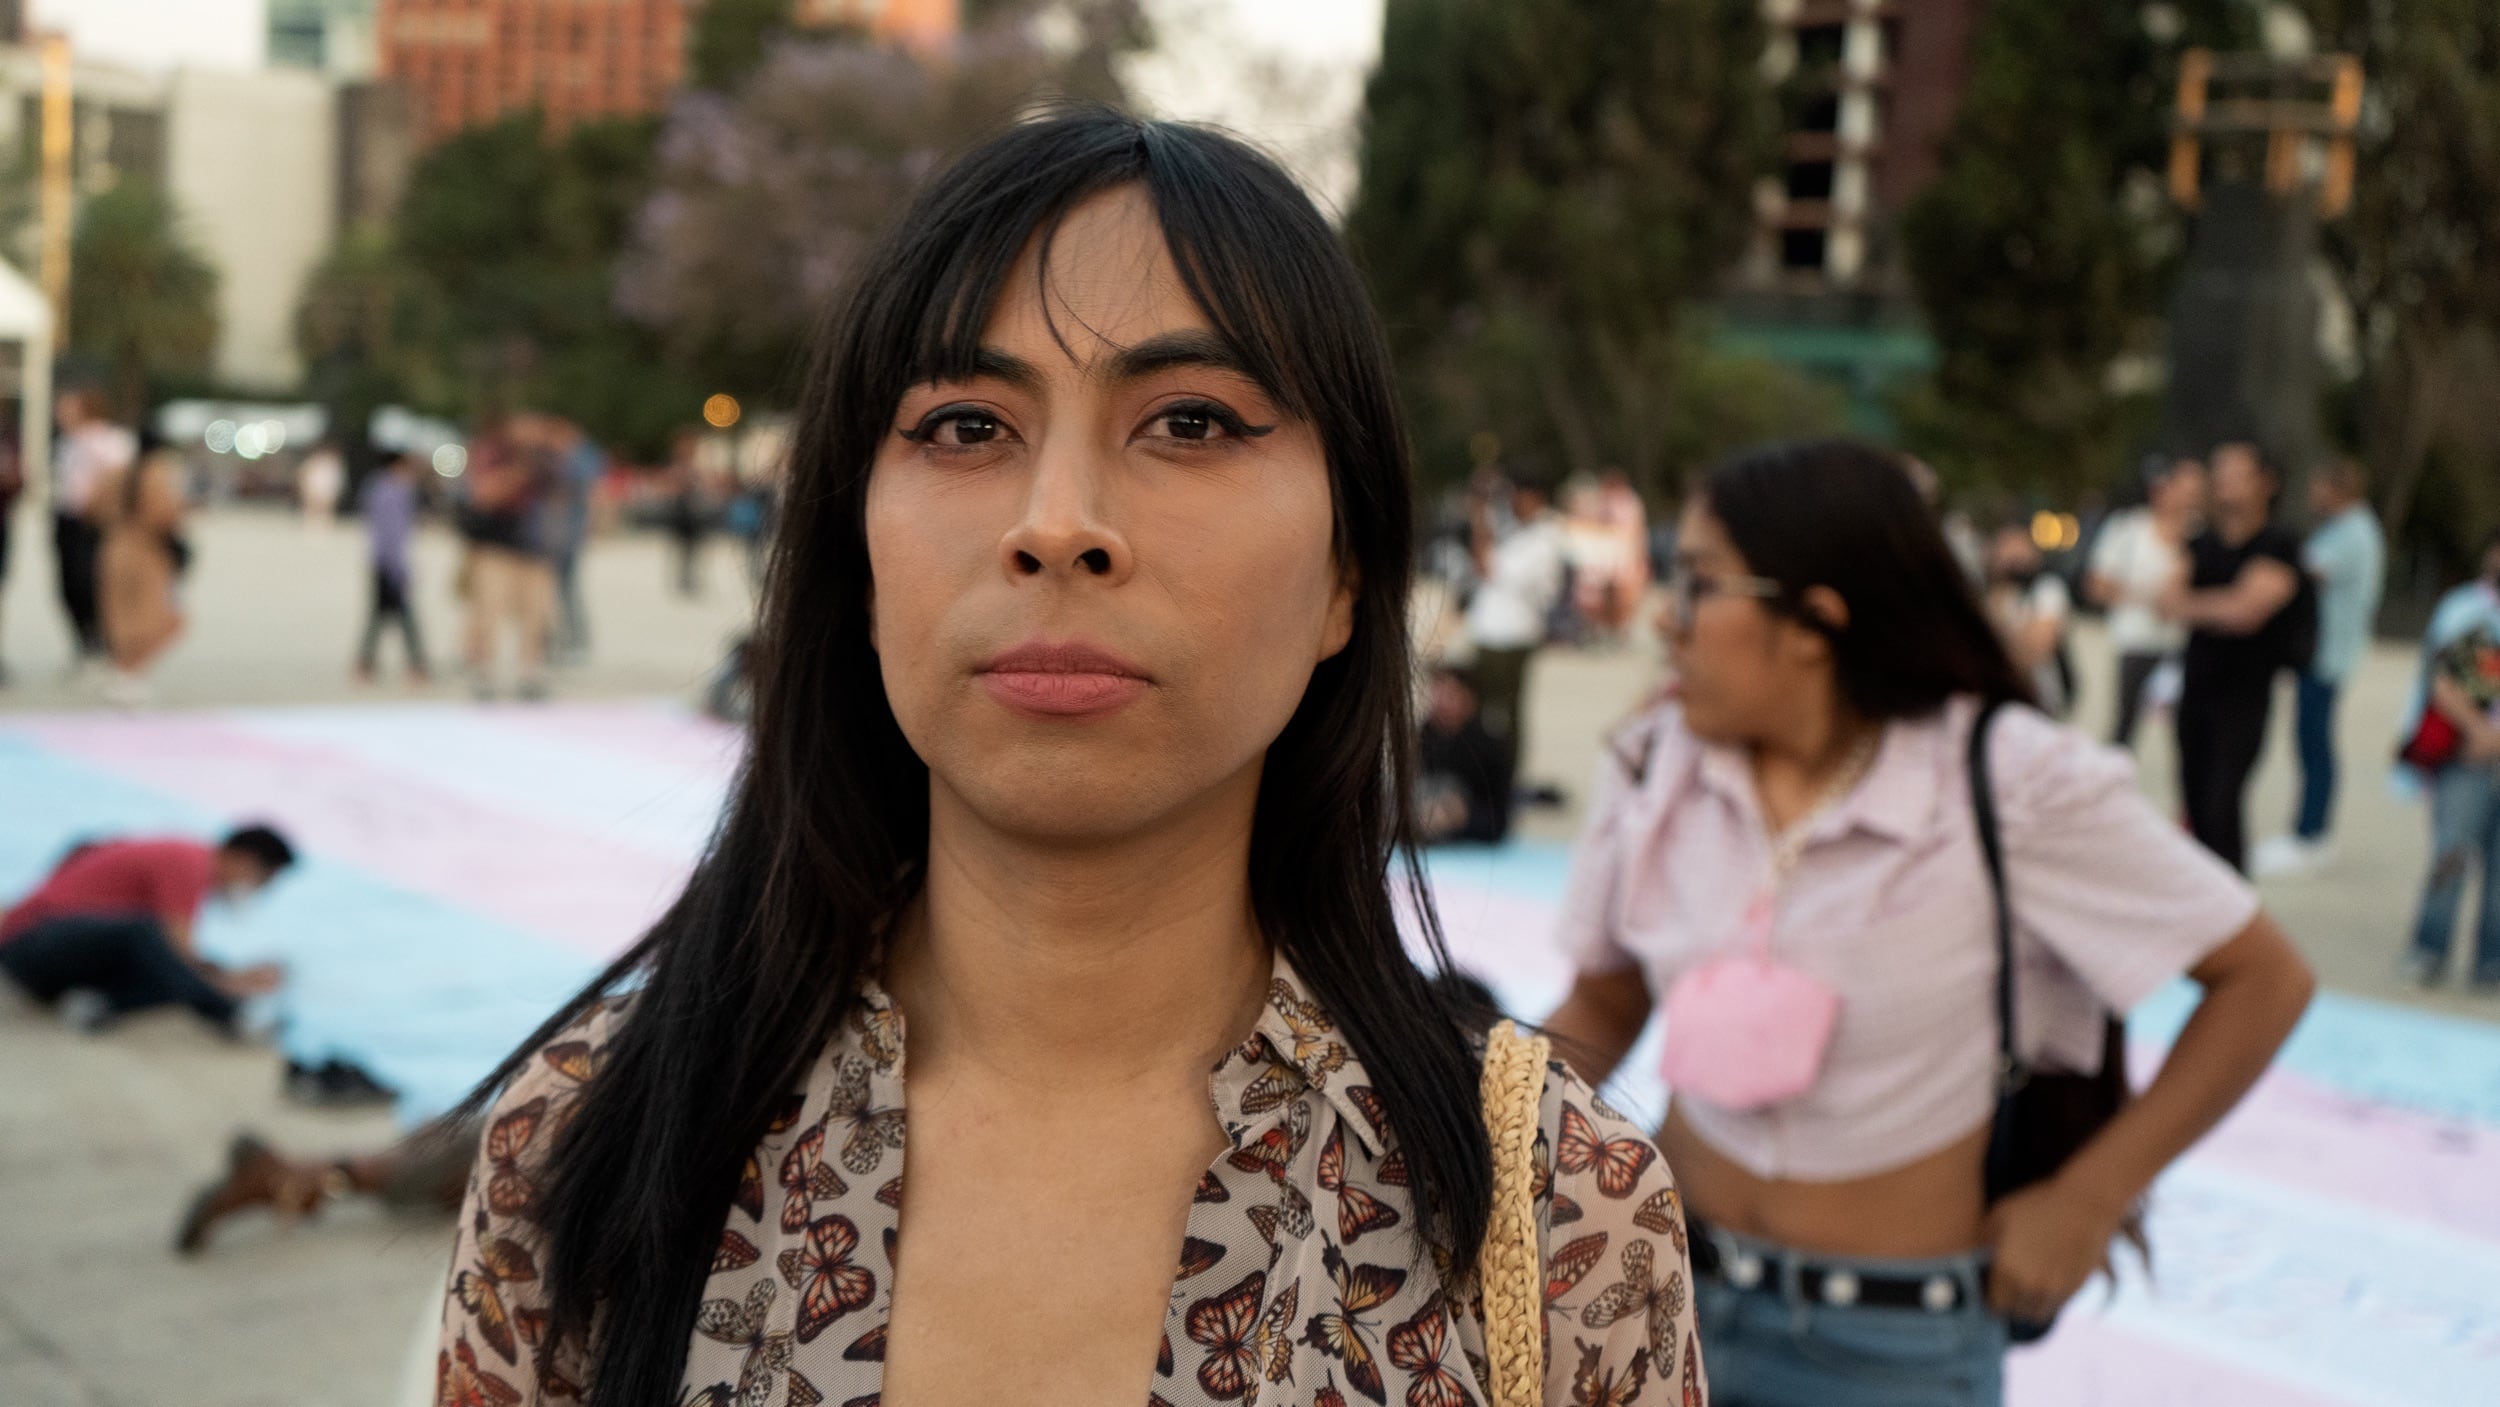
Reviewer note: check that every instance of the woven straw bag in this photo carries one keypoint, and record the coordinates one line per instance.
(1510, 1268)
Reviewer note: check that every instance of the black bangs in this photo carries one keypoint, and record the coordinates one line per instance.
(1250, 249)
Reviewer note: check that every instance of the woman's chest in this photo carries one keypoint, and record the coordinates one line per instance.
(1900, 926)
(1270, 1263)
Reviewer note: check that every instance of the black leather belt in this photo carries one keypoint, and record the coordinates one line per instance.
(1824, 1282)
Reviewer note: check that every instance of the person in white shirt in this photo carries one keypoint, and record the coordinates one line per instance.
(2346, 556)
(92, 451)
(2140, 553)
(1522, 577)
(2031, 608)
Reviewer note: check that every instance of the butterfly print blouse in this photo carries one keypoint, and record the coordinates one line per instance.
(1296, 1281)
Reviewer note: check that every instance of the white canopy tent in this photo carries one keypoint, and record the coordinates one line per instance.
(26, 320)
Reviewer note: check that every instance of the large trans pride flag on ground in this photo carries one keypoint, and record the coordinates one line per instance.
(2337, 1242)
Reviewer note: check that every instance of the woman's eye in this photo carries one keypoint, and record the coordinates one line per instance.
(1201, 421)
(1188, 424)
(969, 427)
(956, 428)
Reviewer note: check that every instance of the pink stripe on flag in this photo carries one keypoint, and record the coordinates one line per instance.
(1501, 938)
(648, 733)
(2299, 1134)
(2090, 1362)
(590, 894)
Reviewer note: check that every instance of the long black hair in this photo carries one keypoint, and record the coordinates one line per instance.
(1844, 515)
(825, 836)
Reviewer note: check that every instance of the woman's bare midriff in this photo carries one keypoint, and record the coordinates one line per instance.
(1933, 1207)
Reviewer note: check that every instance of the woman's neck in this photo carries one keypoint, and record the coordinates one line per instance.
(1795, 766)
(1068, 965)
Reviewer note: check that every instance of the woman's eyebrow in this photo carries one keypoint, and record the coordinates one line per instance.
(1175, 349)
(1014, 370)
(1160, 353)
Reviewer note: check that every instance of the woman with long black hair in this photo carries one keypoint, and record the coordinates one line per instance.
(1795, 857)
(1081, 752)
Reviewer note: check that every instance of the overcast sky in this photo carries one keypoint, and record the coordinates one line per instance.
(160, 33)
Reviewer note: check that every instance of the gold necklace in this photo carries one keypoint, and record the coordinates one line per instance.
(1789, 845)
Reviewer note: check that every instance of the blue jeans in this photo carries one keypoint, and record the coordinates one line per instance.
(2465, 833)
(1771, 1347)
(127, 959)
(2314, 723)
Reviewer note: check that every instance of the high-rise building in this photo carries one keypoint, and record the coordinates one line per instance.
(1869, 88)
(326, 36)
(251, 162)
(469, 62)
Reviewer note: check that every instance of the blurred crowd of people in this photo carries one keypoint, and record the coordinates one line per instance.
(526, 495)
(2210, 603)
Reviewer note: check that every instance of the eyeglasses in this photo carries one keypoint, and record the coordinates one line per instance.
(1687, 589)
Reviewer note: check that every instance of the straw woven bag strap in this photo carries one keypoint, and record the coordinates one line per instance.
(1510, 1268)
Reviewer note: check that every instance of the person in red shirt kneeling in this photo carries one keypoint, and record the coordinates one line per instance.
(115, 918)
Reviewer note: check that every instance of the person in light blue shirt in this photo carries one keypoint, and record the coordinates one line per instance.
(2463, 790)
(2346, 558)
(576, 464)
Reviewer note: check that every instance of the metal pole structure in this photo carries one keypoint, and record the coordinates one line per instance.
(54, 208)
(53, 211)
(2261, 152)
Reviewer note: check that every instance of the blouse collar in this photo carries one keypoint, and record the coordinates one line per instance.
(1897, 798)
(1294, 1048)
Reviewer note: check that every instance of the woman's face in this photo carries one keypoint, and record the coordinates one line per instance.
(2012, 556)
(1740, 664)
(2182, 490)
(1104, 566)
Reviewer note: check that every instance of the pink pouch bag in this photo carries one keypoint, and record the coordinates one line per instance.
(1744, 1030)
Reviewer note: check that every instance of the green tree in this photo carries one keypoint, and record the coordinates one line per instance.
(1545, 186)
(2041, 254)
(729, 39)
(514, 240)
(143, 301)
(370, 333)
(2415, 257)
(765, 198)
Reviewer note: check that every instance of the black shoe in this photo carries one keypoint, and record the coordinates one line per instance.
(335, 1084)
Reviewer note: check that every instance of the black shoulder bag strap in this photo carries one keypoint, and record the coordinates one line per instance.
(2010, 1070)
(2041, 1118)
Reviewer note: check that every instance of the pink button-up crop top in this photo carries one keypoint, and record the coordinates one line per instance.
(1891, 907)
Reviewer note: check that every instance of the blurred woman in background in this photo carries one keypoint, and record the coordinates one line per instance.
(2032, 610)
(2139, 556)
(1790, 855)
(139, 513)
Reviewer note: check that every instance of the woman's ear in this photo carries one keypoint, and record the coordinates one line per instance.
(1825, 608)
(1340, 626)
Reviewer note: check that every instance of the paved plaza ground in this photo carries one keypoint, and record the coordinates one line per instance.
(101, 1139)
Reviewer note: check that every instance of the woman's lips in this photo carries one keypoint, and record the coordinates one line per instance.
(1062, 695)
(1073, 680)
